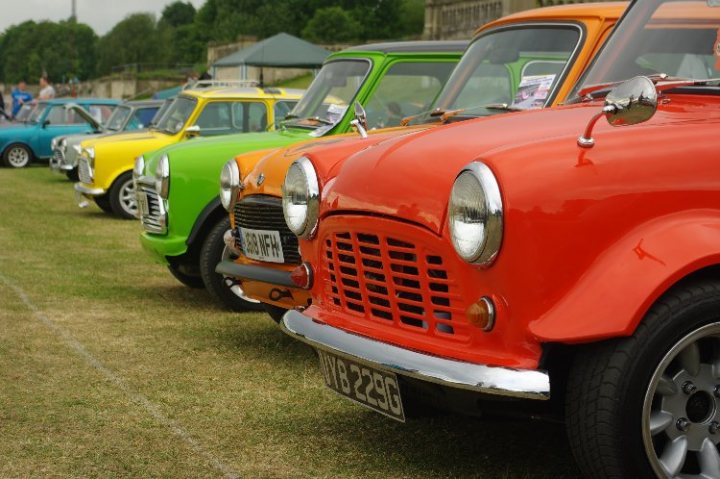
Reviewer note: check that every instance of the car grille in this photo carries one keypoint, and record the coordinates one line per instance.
(84, 173)
(391, 281)
(263, 212)
(155, 221)
(58, 157)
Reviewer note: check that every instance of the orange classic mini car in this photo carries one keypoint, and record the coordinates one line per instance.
(569, 254)
(522, 61)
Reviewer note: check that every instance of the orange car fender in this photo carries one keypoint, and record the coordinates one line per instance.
(616, 292)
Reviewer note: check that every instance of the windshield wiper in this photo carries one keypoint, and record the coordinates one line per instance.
(662, 81)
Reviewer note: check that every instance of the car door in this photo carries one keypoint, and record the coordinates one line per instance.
(58, 121)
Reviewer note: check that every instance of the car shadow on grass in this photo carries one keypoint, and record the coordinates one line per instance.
(457, 446)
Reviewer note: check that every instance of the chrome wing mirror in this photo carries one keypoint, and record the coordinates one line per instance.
(631, 102)
(360, 122)
(192, 131)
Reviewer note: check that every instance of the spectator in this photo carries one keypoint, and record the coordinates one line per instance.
(47, 92)
(20, 96)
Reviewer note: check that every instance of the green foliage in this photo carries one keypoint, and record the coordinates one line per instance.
(134, 40)
(68, 49)
(178, 13)
(62, 50)
(332, 24)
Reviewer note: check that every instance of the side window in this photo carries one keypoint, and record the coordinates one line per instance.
(249, 116)
(141, 118)
(57, 115)
(405, 90)
(489, 83)
(215, 119)
(101, 113)
(257, 116)
(282, 108)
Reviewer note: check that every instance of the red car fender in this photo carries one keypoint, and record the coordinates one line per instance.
(635, 272)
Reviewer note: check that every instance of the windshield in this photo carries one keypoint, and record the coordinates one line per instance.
(37, 112)
(24, 113)
(177, 115)
(678, 38)
(508, 68)
(118, 118)
(330, 93)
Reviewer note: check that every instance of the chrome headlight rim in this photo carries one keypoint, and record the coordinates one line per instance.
(229, 184)
(139, 167)
(162, 177)
(90, 152)
(62, 144)
(486, 245)
(306, 228)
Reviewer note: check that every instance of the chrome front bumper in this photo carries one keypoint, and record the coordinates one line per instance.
(85, 191)
(522, 383)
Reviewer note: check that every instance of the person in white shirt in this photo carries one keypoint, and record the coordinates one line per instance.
(47, 91)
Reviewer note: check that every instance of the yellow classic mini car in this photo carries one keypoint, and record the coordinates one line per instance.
(105, 164)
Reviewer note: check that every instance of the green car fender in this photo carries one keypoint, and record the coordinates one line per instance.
(193, 198)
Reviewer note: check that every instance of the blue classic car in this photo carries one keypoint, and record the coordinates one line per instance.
(32, 139)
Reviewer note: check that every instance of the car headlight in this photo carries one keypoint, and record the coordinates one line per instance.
(78, 149)
(475, 215)
(229, 184)
(53, 143)
(63, 144)
(139, 167)
(91, 156)
(301, 198)
(162, 177)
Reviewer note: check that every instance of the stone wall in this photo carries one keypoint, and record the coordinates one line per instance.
(459, 19)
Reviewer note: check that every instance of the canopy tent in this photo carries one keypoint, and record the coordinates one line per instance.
(280, 51)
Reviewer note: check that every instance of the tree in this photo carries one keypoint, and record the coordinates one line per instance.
(134, 40)
(178, 14)
(331, 25)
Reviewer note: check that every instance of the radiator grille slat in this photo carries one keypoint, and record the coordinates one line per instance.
(84, 171)
(392, 281)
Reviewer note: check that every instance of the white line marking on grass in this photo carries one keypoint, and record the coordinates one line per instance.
(151, 408)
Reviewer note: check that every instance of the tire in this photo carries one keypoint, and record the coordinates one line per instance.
(224, 290)
(103, 203)
(275, 312)
(72, 175)
(664, 371)
(17, 155)
(195, 282)
(122, 197)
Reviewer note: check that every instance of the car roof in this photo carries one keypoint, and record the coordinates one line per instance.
(65, 101)
(563, 12)
(449, 46)
(143, 103)
(245, 92)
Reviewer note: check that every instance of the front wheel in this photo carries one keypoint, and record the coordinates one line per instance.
(275, 312)
(122, 197)
(649, 405)
(227, 291)
(17, 156)
(72, 175)
(189, 280)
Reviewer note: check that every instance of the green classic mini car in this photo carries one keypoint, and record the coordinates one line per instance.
(177, 186)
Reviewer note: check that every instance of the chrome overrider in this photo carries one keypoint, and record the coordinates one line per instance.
(522, 383)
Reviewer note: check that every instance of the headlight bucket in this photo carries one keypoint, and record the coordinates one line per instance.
(139, 167)
(162, 176)
(475, 215)
(301, 198)
(91, 156)
(229, 184)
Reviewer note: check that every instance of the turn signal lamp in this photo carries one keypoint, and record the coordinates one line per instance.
(302, 276)
(482, 314)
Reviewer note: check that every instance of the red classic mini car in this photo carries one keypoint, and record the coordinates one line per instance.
(570, 254)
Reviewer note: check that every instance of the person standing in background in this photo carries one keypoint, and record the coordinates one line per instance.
(20, 96)
(47, 92)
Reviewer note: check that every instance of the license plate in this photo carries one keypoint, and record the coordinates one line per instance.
(375, 389)
(142, 204)
(263, 245)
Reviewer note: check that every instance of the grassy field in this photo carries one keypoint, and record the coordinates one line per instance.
(110, 368)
